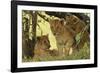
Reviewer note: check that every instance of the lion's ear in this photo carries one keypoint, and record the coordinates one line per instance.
(62, 21)
(38, 38)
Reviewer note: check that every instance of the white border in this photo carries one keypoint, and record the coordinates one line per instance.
(53, 63)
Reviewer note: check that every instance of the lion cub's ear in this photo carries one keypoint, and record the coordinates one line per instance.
(62, 21)
(75, 19)
(38, 38)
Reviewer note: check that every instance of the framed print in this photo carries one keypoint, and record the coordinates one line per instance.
(51, 36)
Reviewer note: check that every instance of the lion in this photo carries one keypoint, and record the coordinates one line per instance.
(42, 46)
(77, 25)
(64, 36)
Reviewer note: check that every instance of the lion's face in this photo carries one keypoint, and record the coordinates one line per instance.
(57, 26)
(43, 42)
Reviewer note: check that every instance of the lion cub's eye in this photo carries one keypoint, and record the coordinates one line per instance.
(45, 41)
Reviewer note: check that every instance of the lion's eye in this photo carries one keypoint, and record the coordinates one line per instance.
(44, 41)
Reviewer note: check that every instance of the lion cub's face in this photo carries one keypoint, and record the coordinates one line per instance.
(42, 46)
(43, 42)
(56, 26)
(75, 23)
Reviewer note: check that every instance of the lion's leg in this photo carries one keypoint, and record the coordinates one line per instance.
(70, 51)
(64, 51)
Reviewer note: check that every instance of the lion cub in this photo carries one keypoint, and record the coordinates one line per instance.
(64, 36)
(41, 47)
(78, 25)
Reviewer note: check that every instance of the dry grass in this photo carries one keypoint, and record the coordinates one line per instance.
(83, 53)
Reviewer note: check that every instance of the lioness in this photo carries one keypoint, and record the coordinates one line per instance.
(64, 36)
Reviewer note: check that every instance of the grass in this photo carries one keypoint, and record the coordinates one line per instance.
(83, 53)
